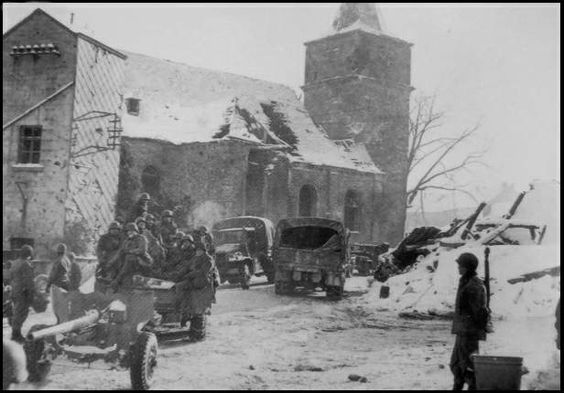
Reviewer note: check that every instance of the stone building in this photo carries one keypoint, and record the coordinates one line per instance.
(61, 100)
(209, 144)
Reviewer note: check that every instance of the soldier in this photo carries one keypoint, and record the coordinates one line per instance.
(174, 253)
(167, 229)
(156, 251)
(153, 228)
(141, 207)
(136, 259)
(202, 234)
(60, 272)
(23, 290)
(469, 322)
(108, 251)
(196, 291)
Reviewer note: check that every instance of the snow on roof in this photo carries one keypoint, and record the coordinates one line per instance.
(184, 104)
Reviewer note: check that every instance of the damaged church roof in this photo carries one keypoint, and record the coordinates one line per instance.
(184, 104)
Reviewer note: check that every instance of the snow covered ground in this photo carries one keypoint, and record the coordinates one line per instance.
(258, 340)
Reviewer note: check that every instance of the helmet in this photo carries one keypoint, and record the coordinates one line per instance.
(115, 225)
(190, 238)
(131, 226)
(167, 213)
(149, 216)
(203, 229)
(468, 260)
(145, 197)
(179, 235)
(61, 248)
(140, 219)
(27, 251)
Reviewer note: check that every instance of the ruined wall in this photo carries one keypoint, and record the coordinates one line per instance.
(94, 164)
(27, 80)
(204, 181)
(357, 86)
(331, 185)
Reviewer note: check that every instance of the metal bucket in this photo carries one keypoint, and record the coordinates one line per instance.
(497, 372)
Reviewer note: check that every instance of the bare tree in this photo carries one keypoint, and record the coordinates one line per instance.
(429, 150)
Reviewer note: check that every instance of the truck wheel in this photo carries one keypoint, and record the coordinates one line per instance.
(270, 277)
(143, 361)
(37, 367)
(335, 292)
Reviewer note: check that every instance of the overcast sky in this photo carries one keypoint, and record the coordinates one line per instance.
(496, 64)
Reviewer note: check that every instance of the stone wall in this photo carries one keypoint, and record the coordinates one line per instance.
(27, 80)
(205, 182)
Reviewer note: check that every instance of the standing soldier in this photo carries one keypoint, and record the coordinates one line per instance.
(23, 290)
(168, 229)
(196, 291)
(136, 259)
(108, 252)
(141, 207)
(59, 275)
(469, 323)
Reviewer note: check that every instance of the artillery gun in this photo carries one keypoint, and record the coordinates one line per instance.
(121, 328)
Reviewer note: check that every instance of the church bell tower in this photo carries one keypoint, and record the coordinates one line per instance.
(357, 86)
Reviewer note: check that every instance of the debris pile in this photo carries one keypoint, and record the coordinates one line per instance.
(524, 272)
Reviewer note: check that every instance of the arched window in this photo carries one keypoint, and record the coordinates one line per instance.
(151, 180)
(352, 210)
(308, 201)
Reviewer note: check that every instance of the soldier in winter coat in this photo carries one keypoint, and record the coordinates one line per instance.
(196, 291)
(108, 251)
(23, 290)
(156, 251)
(136, 259)
(167, 229)
(60, 272)
(469, 323)
(141, 207)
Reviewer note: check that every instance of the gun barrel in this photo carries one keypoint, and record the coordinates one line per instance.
(91, 317)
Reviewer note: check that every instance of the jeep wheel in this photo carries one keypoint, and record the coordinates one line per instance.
(143, 361)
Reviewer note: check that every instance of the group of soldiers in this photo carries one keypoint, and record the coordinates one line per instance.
(159, 250)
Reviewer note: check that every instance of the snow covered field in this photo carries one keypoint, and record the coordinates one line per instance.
(258, 340)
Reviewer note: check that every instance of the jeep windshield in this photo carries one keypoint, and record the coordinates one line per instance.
(310, 238)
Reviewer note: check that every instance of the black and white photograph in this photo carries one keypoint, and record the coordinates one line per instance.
(281, 196)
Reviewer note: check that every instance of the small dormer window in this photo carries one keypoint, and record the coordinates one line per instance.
(132, 106)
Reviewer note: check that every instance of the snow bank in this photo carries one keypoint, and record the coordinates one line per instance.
(430, 287)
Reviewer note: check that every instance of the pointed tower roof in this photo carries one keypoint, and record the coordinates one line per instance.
(353, 16)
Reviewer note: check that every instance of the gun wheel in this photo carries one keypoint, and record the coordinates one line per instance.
(143, 361)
